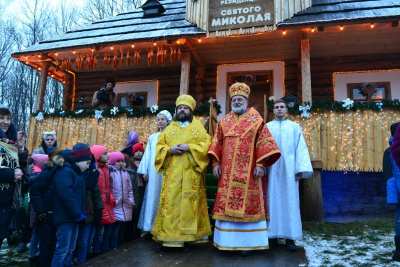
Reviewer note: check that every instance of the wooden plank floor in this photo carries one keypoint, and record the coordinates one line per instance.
(141, 252)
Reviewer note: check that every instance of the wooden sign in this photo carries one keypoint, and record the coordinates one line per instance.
(236, 14)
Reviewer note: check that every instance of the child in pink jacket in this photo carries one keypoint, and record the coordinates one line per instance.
(121, 188)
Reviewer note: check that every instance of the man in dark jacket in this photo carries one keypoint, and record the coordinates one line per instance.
(69, 203)
(387, 165)
(42, 199)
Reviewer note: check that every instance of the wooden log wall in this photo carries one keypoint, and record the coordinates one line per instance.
(110, 132)
(87, 83)
(197, 12)
(322, 70)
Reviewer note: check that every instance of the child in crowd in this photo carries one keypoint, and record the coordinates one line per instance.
(138, 185)
(121, 188)
(38, 162)
(101, 156)
(42, 199)
(70, 203)
(95, 206)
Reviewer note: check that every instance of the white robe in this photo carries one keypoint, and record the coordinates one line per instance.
(151, 198)
(282, 188)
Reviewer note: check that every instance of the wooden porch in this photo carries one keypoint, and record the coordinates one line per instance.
(141, 252)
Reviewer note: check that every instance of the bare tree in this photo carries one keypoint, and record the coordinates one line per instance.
(94, 10)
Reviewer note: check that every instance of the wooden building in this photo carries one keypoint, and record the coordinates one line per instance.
(312, 49)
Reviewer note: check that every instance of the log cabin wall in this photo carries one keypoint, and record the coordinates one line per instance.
(169, 79)
(322, 70)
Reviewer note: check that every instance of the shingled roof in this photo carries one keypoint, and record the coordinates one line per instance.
(124, 28)
(344, 11)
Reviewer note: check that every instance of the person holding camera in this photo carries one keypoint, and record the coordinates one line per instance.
(105, 97)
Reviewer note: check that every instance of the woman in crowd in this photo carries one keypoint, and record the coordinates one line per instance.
(151, 200)
(132, 139)
(49, 140)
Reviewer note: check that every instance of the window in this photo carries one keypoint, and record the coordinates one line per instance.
(383, 91)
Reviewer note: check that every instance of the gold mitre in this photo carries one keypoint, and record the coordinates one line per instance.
(187, 100)
(239, 89)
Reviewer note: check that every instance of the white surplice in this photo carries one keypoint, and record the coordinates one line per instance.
(151, 198)
(282, 188)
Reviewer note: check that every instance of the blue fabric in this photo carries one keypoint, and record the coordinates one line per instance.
(107, 237)
(392, 197)
(70, 190)
(80, 218)
(39, 192)
(33, 245)
(397, 222)
(114, 234)
(47, 242)
(95, 238)
(83, 241)
(393, 184)
(67, 234)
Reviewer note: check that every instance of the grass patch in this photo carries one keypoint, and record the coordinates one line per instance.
(377, 227)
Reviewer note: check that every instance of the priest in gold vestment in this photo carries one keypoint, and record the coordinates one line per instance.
(241, 147)
(181, 156)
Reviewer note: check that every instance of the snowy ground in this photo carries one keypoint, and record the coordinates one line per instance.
(9, 256)
(349, 250)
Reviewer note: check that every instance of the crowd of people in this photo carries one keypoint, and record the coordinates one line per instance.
(87, 200)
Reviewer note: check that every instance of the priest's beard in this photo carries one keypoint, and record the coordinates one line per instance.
(182, 117)
(239, 109)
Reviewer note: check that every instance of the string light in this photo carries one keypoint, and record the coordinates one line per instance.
(372, 25)
(133, 46)
(73, 52)
(341, 27)
(312, 30)
(284, 32)
(112, 47)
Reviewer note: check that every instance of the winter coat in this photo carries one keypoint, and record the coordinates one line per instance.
(7, 187)
(387, 165)
(94, 202)
(138, 193)
(69, 198)
(395, 147)
(41, 198)
(106, 195)
(121, 188)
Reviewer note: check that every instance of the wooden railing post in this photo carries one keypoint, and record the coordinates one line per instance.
(185, 73)
(305, 67)
(313, 209)
(42, 86)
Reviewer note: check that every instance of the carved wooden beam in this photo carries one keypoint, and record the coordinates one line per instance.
(185, 73)
(305, 67)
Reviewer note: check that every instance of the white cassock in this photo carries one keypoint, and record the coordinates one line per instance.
(282, 188)
(151, 198)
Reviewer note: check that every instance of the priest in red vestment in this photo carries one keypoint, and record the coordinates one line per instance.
(241, 147)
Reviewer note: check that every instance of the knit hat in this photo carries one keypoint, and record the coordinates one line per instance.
(53, 151)
(38, 161)
(115, 156)
(166, 114)
(239, 89)
(80, 152)
(187, 100)
(5, 107)
(97, 151)
(52, 133)
(136, 147)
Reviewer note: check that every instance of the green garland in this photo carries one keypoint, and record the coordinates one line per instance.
(130, 112)
(338, 105)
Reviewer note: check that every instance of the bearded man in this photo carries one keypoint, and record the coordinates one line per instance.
(181, 156)
(242, 146)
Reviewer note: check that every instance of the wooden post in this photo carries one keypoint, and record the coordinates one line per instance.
(313, 209)
(185, 73)
(42, 86)
(265, 109)
(305, 67)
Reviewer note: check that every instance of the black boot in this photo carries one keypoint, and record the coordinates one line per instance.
(273, 243)
(396, 255)
(290, 245)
